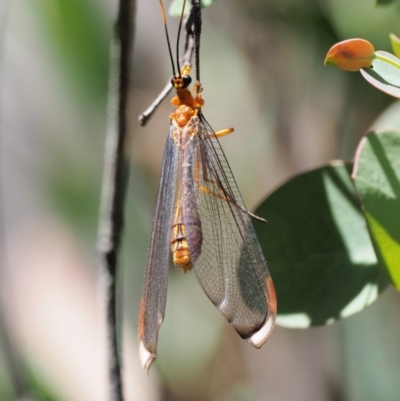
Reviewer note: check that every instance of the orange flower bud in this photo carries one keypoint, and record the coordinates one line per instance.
(351, 55)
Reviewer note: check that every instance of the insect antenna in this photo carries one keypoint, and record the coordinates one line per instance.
(167, 36)
(179, 34)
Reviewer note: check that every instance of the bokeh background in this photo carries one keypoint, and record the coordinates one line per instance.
(262, 72)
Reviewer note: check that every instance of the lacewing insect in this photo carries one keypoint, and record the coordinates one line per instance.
(200, 219)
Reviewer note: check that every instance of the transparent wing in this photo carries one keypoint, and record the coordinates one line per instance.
(231, 268)
(152, 305)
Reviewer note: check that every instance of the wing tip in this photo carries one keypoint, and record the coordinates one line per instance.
(259, 338)
(146, 357)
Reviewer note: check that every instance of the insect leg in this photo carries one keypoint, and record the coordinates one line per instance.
(223, 132)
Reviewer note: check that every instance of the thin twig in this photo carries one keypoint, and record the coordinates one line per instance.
(115, 178)
(185, 59)
(145, 116)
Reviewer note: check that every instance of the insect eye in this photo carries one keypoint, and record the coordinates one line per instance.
(187, 81)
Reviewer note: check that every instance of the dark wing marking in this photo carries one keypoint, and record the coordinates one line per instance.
(231, 268)
(152, 304)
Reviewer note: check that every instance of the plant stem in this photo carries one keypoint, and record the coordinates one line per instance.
(387, 60)
(115, 178)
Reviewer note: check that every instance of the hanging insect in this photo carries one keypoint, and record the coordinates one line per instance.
(200, 219)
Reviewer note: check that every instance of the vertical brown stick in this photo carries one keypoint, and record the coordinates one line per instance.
(115, 178)
(197, 22)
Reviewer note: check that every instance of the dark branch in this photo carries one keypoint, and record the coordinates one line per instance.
(196, 9)
(115, 178)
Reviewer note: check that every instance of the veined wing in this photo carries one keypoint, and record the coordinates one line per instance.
(231, 267)
(152, 304)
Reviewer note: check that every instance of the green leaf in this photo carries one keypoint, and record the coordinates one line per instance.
(175, 9)
(383, 75)
(395, 41)
(318, 249)
(377, 178)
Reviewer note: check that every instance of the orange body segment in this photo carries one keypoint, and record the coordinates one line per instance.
(182, 115)
(186, 103)
(179, 248)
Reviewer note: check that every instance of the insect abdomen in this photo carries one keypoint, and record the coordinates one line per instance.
(179, 248)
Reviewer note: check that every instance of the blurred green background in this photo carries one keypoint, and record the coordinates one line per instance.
(262, 72)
